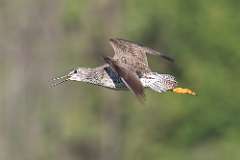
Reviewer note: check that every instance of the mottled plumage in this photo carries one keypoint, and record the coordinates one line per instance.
(128, 69)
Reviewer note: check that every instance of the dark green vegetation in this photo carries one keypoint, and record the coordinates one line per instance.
(41, 39)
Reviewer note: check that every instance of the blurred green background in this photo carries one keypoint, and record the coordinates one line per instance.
(41, 39)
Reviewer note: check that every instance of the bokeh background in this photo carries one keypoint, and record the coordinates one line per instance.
(41, 39)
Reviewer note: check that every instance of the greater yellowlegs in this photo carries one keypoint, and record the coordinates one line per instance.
(127, 69)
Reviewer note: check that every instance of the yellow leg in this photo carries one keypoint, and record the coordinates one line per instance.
(180, 90)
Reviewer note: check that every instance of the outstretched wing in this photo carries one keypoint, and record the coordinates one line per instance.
(133, 49)
(129, 77)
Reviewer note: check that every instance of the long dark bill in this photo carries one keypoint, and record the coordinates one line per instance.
(59, 80)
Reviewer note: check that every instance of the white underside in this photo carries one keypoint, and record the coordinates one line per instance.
(157, 82)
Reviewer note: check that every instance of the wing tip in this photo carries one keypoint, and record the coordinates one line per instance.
(170, 59)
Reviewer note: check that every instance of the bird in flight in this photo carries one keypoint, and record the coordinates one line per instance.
(127, 69)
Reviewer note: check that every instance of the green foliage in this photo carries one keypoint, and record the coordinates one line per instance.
(89, 122)
(203, 36)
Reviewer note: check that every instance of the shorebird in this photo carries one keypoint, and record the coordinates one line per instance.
(127, 69)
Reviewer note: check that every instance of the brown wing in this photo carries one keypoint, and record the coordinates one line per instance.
(128, 76)
(135, 50)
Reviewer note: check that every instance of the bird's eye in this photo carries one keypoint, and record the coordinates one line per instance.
(75, 71)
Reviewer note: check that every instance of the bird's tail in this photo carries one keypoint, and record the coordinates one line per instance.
(164, 82)
(159, 82)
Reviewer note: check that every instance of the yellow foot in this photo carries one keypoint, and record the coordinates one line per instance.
(180, 90)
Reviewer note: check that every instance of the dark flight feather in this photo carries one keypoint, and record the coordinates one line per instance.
(129, 77)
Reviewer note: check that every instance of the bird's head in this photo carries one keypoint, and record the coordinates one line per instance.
(78, 74)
